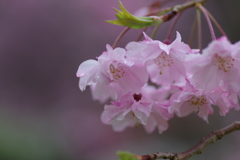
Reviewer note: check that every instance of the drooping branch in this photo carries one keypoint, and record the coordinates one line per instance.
(197, 149)
(166, 15)
(188, 4)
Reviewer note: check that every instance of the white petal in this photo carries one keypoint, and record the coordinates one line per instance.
(86, 66)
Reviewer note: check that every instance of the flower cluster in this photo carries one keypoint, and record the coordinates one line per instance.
(186, 81)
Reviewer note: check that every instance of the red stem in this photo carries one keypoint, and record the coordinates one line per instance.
(120, 37)
(173, 25)
(216, 23)
(193, 30)
(208, 20)
(199, 29)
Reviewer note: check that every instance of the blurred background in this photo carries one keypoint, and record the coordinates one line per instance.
(44, 115)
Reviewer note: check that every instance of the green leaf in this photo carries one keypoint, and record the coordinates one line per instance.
(124, 18)
(126, 155)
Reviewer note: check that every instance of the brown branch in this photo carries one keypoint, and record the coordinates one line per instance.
(188, 4)
(197, 149)
(177, 8)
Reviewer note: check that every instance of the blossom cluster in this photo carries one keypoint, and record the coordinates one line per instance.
(183, 81)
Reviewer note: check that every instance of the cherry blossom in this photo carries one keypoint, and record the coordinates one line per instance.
(185, 82)
(159, 116)
(224, 104)
(134, 109)
(165, 63)
(217, 64)
(113, 75)
(131, 110)
(190, 100)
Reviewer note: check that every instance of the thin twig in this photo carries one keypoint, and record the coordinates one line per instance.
(208, 21)
(155, 31)
(216, 23)
(120, 37)
(193, 30)
(177, 9)
(160, 11)
(197, 149)
(141, 35)
(199, 29)
(180, 7)
(169, 35)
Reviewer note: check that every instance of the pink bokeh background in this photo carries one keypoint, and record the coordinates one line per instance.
(44, 115)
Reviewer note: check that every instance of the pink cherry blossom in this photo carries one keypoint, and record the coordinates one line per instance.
(134, 109)
(113, 75)
(165, 63)
(227, 101)
(159, 116)
(131, 110)
(187, 82)
(190, 100)
(217, 64)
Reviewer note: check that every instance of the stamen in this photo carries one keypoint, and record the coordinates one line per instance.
(137, 124)
(224, 64)
(198, 101)
(134, 116)
(163, 60)
(132, 113)
(117, 73)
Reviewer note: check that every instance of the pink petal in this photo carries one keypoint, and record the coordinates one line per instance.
(85, 67)
(204, 111)
(150, 125)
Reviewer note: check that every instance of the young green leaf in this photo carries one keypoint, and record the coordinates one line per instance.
(124, 18)
(126, 155)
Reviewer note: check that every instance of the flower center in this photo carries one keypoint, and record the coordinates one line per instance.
(117, 73)
(197, 101)
(137, 97)
(224, 64)
(163, 60)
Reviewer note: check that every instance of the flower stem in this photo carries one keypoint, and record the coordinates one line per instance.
(155, 31)
(141, 35)
(169, 35)
(216, 23)
(208, 20)
(193, 30)
(120, 37)
(199, 29)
